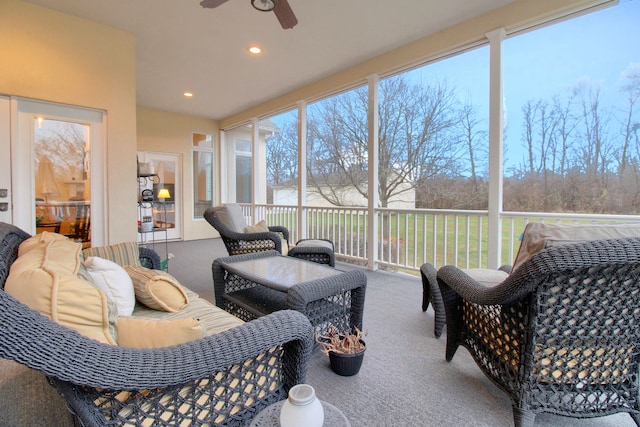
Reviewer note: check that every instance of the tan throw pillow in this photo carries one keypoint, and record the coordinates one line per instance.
(144, 333)
(157, 289)
(538, 236)
(260, 227)
(44, 278)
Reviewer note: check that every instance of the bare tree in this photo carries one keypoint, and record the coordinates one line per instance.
(337, 146)
(577, 158)
(565, 127)
(541, 122)
(467, 190)
(282, 159)
(529, 111)
(474, 137)
(65, 145)
(539, 135)
(594, 119)
(631, 90)
(416, 139)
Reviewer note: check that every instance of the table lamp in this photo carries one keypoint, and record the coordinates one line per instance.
(163, 194)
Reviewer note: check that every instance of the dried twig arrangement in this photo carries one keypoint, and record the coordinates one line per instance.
(346, 343)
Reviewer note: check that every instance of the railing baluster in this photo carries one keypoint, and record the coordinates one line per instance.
(455, 240)
(434, 248)
(407, 249)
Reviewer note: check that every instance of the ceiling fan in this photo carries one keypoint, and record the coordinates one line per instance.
(281, 8)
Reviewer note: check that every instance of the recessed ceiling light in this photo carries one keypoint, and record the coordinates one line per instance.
(255, 50)
(188, 94)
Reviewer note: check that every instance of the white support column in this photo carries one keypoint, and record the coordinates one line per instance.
(302, 169)
(223, 174)
(496, 125)
(372, 186)
(255, 166)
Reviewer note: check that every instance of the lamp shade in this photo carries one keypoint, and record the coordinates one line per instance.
(163, 194)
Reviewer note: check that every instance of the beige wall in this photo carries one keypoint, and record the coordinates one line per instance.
(55, 57)
(165, 132)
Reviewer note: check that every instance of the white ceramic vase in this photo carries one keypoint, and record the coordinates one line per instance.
(302, 408)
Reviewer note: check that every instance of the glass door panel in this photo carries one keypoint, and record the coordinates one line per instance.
(166, 188)
(62, 179)
(57, 163)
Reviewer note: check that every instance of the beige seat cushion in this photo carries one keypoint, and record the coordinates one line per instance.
(44, 277)
(538, 236)
(314, 243)
(485, 276)
(213, 319)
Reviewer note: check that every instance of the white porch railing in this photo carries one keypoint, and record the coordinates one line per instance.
(408, 238)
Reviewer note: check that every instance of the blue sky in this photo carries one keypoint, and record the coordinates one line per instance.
(596, 47)
(539, 64)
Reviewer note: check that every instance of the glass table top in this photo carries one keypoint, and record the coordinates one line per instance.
(280, 272)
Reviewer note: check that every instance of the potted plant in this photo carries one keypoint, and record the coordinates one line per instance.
(345, 350)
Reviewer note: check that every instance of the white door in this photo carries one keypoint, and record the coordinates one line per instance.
(57, 170)
(5, 160)
(165, 211)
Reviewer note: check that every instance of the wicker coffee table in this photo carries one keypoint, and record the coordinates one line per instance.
(253, 285)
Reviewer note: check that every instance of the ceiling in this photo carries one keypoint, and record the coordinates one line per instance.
(181, 46)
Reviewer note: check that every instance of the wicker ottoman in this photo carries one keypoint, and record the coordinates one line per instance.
(320, 251)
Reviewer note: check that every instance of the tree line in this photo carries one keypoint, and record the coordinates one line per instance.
(580, 155)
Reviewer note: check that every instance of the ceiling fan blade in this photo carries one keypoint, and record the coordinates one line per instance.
(285, 14)
(212, 3)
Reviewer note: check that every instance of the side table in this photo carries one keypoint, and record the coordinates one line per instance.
(270, 416)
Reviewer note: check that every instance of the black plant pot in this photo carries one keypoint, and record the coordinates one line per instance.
(346, 364)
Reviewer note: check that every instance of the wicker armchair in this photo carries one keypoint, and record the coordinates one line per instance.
(431, 295)
(431, 291)
(223, 379)
(536, 236)
(561, 334)
(229, 221)
(238, 243)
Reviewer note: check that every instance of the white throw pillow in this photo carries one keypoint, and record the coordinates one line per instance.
(114, 281)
